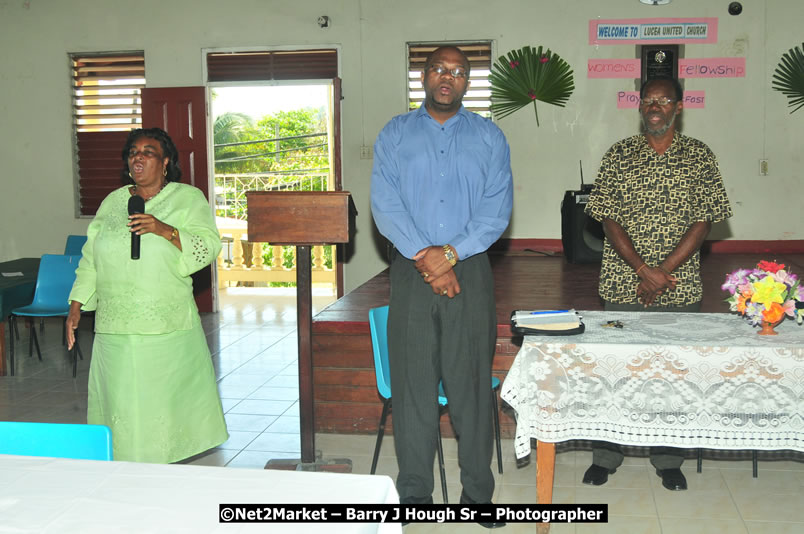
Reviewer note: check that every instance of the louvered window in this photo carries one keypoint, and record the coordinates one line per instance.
(106, 92)
(107, 104)
(272, 65)
(478, 97)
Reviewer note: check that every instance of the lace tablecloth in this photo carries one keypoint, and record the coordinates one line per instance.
(675, 379)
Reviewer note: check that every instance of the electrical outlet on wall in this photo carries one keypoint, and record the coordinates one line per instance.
(763, 167)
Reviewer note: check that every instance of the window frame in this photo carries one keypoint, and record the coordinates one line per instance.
(96, 147)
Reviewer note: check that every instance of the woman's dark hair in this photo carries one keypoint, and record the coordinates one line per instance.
(168, 151)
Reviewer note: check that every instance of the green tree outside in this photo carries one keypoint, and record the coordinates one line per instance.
(287, 150)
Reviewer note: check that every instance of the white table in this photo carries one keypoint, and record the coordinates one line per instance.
(59, 496)
(674, 379)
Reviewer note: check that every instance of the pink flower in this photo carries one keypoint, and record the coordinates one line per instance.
(734, 280)
(783, 277)
(532, 95)
(544, 59)
(514, 64)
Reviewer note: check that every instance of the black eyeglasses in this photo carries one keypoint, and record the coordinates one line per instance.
(662, 101)
(457, 72)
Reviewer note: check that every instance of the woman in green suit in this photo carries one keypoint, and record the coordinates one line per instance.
(151, 378)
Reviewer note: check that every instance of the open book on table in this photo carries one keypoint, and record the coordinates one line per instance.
(546, 322)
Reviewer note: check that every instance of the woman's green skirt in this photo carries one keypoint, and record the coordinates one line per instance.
(157, 393)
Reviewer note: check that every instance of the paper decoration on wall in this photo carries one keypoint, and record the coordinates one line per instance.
(630, 99)
(713, 67)
(613, 68)
(660, 31)
(645, 31)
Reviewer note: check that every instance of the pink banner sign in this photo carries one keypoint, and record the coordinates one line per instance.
(713, 67)
(613, 68)
(630, 99)
(645, 31)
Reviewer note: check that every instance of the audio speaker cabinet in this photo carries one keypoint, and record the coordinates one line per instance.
(581, 236)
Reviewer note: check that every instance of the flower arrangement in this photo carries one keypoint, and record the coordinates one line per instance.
(767, 293)
(526, 75)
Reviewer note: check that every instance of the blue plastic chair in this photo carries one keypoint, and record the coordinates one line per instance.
(53, 285)
(378, 324)
(81, 442)
(74, 245)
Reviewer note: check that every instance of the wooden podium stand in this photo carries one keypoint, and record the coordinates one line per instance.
(302, 219)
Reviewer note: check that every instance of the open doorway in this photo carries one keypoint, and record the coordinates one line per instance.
(270, 138)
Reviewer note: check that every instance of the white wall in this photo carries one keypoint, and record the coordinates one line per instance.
(744, 120)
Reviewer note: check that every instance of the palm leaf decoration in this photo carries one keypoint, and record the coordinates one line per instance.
(789, 77)
(527, 75)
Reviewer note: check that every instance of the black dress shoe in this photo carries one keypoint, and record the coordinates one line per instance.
(597, 475)
(465, 499)
(672, 479)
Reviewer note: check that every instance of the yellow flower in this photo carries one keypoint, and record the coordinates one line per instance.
(767, 291)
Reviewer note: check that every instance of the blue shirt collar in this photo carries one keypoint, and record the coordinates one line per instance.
(422, 112)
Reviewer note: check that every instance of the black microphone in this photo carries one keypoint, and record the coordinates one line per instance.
(135, 205)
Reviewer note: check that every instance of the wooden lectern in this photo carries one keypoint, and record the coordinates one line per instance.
(302, 219)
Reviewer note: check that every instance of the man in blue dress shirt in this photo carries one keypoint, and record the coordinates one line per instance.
(441, 192)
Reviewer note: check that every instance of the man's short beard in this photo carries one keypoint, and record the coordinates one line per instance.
(659, 131)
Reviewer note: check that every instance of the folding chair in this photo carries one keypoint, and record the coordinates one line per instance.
(53, 285)
(74, 245)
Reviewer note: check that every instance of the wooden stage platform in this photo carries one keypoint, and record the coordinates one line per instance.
(345, 393)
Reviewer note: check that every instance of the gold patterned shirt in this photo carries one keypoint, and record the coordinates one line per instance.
(656, 199)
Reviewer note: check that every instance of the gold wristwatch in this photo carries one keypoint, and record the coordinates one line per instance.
(451, 258)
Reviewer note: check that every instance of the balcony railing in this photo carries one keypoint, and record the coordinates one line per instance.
(236, 264)
(231, 189)
(233, 265)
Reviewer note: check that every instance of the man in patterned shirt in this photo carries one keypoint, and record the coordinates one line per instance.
(657, 195)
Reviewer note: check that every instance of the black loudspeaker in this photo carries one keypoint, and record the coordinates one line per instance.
(581, 236)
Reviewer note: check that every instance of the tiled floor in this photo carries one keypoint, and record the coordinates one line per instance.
(253, 342)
